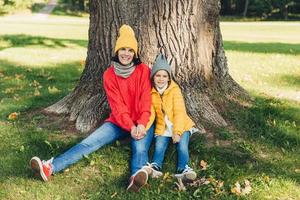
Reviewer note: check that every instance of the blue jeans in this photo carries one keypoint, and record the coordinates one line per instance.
(105, 134)
(161, 145)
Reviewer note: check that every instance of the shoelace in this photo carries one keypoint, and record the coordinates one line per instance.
(187, 168)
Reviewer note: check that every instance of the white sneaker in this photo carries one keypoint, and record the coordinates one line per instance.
(187, 174)
(156, 171)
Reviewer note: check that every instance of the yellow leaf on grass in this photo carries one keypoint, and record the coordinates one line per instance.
(35, 83)
(113, 195)
(267, 179)
(16, 98)
(237, 189)
(82, 62)
(53, 90)
(203, 165)
(297, 170)
(19, 76)
(166, 176)
(247, 188)
(220, 184)
(9, 90)
(13, 116)
(37, 92)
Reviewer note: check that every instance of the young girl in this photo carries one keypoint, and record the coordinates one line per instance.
(172, 121)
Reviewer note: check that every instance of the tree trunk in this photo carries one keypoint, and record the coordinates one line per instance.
(187, 32)
(81, 5)
(245, 8)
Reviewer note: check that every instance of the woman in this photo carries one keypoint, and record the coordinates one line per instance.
(127, 86)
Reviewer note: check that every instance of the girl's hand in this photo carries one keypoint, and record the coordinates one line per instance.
(175, 138)
(141, 131)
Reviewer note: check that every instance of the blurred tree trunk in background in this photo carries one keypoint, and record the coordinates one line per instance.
(81, 5)
(226, 7)
(245, 8)
(187, 32)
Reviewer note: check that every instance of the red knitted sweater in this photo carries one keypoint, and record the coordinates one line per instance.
(129, 98)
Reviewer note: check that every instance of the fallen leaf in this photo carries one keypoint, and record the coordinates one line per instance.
(267, 179)
(53, 90)
(19, 76)
(13, 116)
(220, 184)
(203, 165)
(37, 92)
(247, 188)
(237, 189)
(16, 98)
(82, 63)
(34, 84)
(113, 195)
(166, 176)
(9, 90)
(22, 148)
(92, 162)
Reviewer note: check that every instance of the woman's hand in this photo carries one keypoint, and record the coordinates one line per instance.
(134, 132)
(141, 131)
(175, 138)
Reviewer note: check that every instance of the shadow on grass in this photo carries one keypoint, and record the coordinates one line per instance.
(26, 135)
(61, 9)
(289, 80)
(282, 48)
(272, 121)
(64, 78)
(21, 40)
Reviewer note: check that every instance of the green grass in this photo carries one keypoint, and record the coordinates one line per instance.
(261, 145)
(264, 32)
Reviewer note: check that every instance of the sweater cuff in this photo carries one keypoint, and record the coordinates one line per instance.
(144, 119)
(127, 123)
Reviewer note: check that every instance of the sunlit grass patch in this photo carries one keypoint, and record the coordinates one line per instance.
(264, 73)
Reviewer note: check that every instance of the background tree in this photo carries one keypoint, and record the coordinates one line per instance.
(265, 9)
(246, 8)
(188, 32)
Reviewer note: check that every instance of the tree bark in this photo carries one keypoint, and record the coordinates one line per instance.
(187, 32)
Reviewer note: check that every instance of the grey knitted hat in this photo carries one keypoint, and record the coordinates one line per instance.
(160, 63)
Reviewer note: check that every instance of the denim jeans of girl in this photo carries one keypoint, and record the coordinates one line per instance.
(161, 145)
(105, 134)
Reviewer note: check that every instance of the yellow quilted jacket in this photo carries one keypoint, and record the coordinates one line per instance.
(172, 104)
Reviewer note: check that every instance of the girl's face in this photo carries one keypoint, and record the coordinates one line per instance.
(161, 78)
(125, 55)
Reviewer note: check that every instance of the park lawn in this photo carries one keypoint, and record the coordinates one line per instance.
(41, 61)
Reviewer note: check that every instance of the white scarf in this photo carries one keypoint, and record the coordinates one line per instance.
(161, 90)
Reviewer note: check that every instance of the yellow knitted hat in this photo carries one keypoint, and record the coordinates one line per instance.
(126, 39)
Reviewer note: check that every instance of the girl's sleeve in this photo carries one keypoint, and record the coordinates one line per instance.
(117, 106)
(152, 118)
(145, 98)
(179, 111)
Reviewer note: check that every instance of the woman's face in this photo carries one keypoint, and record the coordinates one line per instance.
(125, 55)
(161, 78)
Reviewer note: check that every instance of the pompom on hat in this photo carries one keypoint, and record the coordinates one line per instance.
(126, 39)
